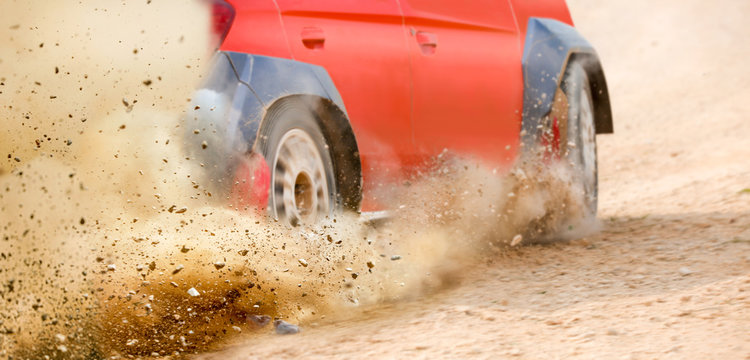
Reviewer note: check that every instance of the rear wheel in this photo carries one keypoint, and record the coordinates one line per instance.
(302, 187)
(581, 134)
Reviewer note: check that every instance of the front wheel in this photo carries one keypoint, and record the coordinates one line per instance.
(581, 149)
(302, 187)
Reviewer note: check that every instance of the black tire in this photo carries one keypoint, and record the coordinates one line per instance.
(581, 134)
(303, 186)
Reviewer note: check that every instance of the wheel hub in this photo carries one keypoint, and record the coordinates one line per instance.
(300, 189)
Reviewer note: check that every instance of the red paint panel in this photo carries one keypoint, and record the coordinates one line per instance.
(257, 29)
(362, 45)
(467, 84)
(251, 184)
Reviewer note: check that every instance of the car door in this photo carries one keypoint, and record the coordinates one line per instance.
(363, 46)
(466, 75)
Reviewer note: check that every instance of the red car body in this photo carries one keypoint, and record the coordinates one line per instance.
(416, 77)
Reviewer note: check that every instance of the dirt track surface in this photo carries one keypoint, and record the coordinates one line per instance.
(669, 274)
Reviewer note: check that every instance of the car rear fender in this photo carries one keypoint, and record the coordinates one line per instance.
(549, 47)
(274, 80)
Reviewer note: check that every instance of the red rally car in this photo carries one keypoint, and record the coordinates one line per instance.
(312, 105)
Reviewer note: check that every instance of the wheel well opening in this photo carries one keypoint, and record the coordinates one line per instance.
(599, 92)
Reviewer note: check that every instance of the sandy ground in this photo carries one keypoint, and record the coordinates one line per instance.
(669, 274)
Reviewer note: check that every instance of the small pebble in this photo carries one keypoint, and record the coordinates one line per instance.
(285, 328)
(516, 240)
(302, 262)
(684, 271)
(178, 269)
(219, 265)
(396, 257)
(193, 292)
(259, 320)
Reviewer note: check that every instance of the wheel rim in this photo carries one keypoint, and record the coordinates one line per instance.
(300, 188)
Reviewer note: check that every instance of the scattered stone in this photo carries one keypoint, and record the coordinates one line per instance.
(370, 265)
(516, 240)
(219, 265)
(355, 275)
(684, 271)
(181, 210)
(193, 292)
(204, 144)
(613, 332)
(302, 262)
(178, 269)
(396, 257)
(259, 320)
(236, 328)
(60, 337)
(111, 267)
(515, 352)
(285, 328)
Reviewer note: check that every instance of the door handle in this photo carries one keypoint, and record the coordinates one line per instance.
(427, 42)
(313, 38)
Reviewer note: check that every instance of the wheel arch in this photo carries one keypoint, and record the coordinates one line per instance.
(549, 47)
(274, 81)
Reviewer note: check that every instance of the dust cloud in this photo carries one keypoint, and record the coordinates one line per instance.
(114, 244)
